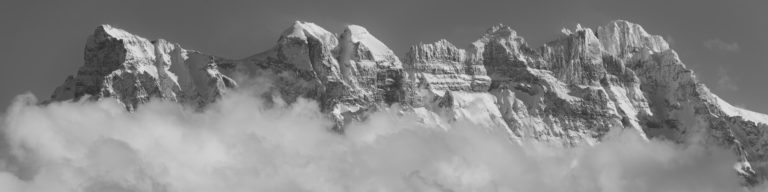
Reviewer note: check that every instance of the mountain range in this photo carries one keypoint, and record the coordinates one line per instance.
(569, 91)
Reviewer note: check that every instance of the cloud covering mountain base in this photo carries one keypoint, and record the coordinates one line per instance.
(241, 144)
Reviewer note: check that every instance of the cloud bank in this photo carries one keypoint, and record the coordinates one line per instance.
(240, 144)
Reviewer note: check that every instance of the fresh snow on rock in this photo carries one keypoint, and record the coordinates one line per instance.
(734, 111)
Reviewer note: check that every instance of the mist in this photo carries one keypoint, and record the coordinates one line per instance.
(241, 144)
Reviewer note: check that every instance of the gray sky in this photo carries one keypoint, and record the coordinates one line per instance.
(41, 42)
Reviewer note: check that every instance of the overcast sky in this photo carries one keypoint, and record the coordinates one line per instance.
(41, 42)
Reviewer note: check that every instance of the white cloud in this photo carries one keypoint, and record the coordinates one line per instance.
(720, 45)
(238, 144)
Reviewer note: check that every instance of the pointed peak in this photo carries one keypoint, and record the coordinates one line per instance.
(500, 30)
(296, 29)
(299, 28)
(110, 31)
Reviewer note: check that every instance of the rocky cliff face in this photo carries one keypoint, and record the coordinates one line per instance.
(133, 70)
(568, 91)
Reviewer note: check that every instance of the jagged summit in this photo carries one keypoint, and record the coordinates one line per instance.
(500, 30)
(621, 37)
(578, 28)
(441, 50)
(570, 90)
(442, 42)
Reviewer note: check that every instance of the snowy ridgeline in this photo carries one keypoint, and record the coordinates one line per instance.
(568, 91)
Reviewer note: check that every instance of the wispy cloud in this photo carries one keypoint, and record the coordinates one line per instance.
(725, 82)
(720, 45)
(670, 40)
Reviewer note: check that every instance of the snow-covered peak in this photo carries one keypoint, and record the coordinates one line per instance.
(369, 45)
(308, 46)
(302, 30)
(297, 30)
(108, 30)
(107, 41)
(500, 33)
(622, 38)
(358, 33)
